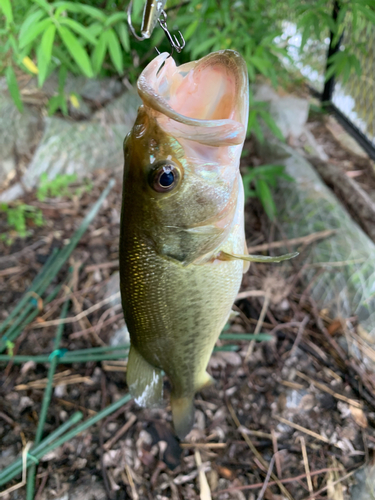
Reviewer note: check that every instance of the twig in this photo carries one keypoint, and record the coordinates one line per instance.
(108, 445)
(273, 483)
(25, 451)
(301, 329)
(306, 464)
(204, 445)
(104, 472)
(12, 270)
(79, 316)
(109, 321)
(302, 429)
(256, 452)
(266, 481)
(103, 265)
(305, 240)
(324, 388)
(131, 482)
(276, 453)
(205, 492)
(250, 293)
(314, 495)
(258, 325)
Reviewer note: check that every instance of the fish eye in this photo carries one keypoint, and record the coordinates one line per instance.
(164, 177)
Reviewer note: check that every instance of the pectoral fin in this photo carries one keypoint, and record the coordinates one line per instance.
(144, 380)
(246, 263)
(257, 258)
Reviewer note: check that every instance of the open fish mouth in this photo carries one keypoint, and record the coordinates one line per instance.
(205, 100)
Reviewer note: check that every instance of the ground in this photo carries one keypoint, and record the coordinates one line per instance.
(297, 404)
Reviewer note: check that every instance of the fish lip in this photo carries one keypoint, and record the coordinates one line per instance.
(152, 99)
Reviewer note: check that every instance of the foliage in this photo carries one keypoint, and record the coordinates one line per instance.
(18, 218)
(315, 20)
(85, 38)
(262, 178)
(55, 187)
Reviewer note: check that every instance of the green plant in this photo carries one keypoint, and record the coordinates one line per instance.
(262, 178)
(59, 186)
(55, 187)
(315, 20)
(70, 34)
(18, 217)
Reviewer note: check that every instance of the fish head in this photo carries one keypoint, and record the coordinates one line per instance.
(181, 173)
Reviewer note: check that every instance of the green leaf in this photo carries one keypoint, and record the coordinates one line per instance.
(305, 36)
(93, 12)
(99, 53)
(79, 8)
(114, 19)
(202, 47)
(30, 21)
(33, 32)
(191, 29)
(114, 50)
(45, 53)
(54, 104)
(45, 5)
(266, 199)
(271, 124)
(260, 64)
(367, 12)
(78, 28)
(13, 87)
(76, 50)
(63, 71)
(123, 34)
(7, 9)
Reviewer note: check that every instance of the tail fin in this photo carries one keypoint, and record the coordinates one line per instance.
(183, 415)
(144, 380)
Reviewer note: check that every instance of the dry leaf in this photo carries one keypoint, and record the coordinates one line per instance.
(334, 491)
(334, 327)
(358, 416)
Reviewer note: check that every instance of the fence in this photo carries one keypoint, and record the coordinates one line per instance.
(353, 102)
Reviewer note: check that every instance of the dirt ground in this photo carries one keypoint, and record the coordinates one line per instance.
(293, 417)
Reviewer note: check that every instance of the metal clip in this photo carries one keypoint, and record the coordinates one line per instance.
(152, 13)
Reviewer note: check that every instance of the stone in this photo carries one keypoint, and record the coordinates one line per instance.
(120, 337)
(289, 112)
(79, 148)
(17, 134)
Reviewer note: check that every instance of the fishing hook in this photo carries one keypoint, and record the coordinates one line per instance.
(175, 44)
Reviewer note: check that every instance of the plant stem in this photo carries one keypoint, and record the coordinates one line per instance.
(46, 401)
(15, 468)
(44, 448)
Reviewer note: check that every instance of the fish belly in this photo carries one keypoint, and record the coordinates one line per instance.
(174, 313)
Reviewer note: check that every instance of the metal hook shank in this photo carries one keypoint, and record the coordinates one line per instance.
(152, 11)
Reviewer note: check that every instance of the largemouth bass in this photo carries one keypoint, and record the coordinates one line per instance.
(182, 245)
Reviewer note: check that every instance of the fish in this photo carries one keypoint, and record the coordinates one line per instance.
(182, 241)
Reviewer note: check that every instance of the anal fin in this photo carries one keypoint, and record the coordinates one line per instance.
(144, 380)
